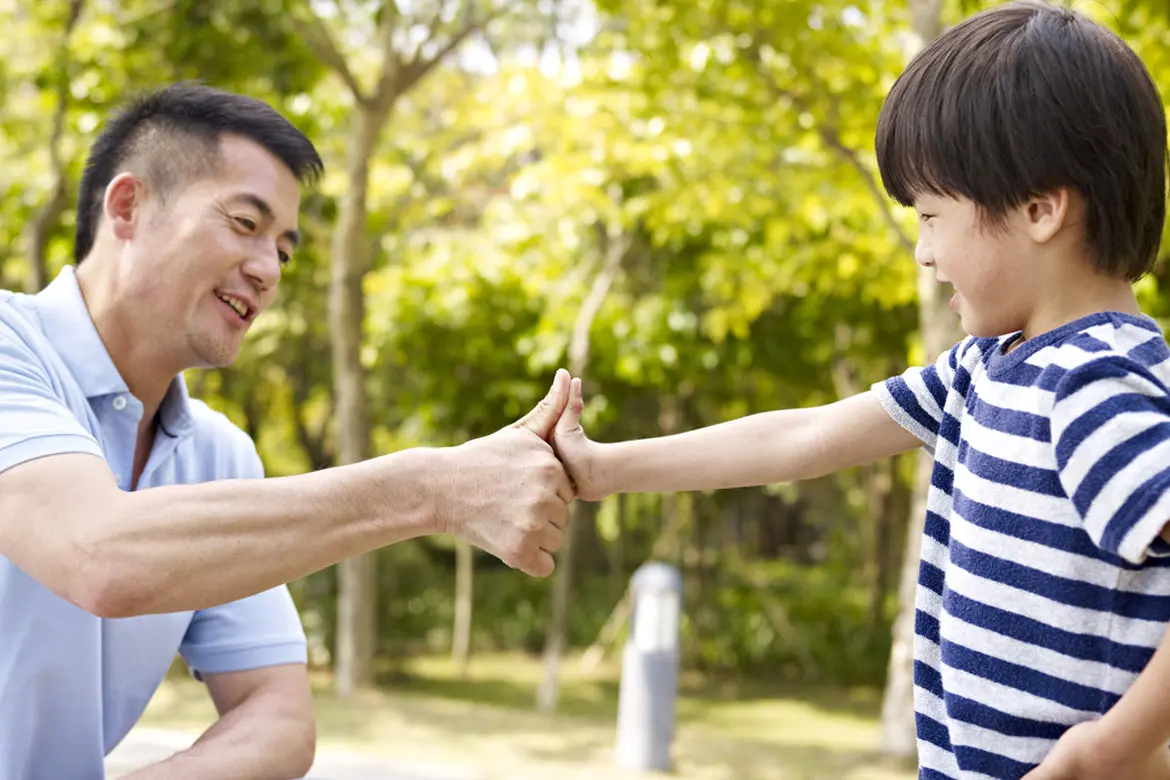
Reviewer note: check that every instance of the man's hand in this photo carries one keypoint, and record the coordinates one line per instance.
(507, 493)
(580, 455)
(1084, 753)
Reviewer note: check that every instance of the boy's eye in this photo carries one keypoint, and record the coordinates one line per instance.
(284, 258)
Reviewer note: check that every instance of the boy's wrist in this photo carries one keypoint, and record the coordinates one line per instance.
(608, 475)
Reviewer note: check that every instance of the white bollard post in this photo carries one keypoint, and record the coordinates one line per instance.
(649, 683)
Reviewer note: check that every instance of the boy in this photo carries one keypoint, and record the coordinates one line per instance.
(1032, 144)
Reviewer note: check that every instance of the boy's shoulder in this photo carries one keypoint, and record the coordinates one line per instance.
(1100, 344)
(1102, 337)
(1109, 343)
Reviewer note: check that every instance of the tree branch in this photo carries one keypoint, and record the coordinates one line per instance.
(617, 244)
(317, 36)
(418, 67)
(831, 137)
(384, 93)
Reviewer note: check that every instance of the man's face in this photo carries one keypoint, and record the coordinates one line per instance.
(208, 259)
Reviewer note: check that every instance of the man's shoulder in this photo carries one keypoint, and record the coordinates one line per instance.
(24, 347)
(19, 323)
(215, 431)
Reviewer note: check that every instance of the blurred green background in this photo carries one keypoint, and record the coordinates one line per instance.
(676, 198)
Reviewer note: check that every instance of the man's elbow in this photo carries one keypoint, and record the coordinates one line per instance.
(303, 750)
(100, 592)
(104, 586)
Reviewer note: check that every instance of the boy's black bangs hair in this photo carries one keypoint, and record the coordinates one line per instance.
(1022, 99)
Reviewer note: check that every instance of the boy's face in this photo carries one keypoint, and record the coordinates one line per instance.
(988, 267)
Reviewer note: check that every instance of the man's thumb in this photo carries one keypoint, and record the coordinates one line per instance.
(545, 414)
(569, 424)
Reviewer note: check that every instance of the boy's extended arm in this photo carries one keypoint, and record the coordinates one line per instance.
(778, 446)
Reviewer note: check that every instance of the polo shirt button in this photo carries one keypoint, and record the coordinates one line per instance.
(120, 402)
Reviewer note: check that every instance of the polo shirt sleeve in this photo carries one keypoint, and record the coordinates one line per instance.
(35, 421)
(253, 632)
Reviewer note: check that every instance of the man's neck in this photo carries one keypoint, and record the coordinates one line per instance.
(147, 377)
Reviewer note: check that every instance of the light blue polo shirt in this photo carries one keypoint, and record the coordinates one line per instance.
(72, 684)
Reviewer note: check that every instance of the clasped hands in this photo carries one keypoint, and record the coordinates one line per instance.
(509, 493)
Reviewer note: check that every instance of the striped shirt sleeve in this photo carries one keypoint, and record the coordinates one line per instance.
(916, 397)
(1111, 434)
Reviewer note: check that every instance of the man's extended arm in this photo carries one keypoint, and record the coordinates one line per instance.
(187, 547)
(266, 730)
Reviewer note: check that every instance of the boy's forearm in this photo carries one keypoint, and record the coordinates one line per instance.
(777, 446)
(754, 450)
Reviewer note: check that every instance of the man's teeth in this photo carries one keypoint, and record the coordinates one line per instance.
(240, 307)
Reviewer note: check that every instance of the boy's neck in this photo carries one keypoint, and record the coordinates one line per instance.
(1078, 296)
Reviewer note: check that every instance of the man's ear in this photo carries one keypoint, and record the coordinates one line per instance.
(123, 203)
(1045, 214)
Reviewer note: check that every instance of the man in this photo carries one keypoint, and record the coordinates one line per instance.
(134, 522)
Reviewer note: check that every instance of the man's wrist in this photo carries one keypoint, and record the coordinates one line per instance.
(433, 469)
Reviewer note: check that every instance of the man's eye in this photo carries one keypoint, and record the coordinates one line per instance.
(246, 223)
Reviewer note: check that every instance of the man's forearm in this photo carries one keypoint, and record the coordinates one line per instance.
(187, 547)
(252, 740)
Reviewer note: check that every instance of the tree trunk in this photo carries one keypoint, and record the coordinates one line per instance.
(547, 694)
(40, 227)
(461, 633)
(357, 591)
(940, 330)
(616, 553)
(398, 76)
(879, 485)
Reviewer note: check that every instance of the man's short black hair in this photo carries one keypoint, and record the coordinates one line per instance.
(1024, 98)
(172, 136)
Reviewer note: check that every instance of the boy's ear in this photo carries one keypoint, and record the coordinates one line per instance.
(1045, 214)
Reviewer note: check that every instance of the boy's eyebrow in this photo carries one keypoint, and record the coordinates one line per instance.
(261, 205)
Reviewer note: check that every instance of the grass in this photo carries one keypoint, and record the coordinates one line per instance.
(486, 723)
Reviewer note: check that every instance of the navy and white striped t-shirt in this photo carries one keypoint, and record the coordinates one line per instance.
(1043, 586)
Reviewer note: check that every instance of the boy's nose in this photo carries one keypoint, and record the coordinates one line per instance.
(922, 254)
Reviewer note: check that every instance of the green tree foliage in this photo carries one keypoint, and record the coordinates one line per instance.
(730, 142)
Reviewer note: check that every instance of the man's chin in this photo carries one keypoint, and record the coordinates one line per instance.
(219, 356)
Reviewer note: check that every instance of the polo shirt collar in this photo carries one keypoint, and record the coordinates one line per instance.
(68, 326)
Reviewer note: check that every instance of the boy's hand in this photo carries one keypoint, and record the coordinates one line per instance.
(1085, 752)
(580, 456)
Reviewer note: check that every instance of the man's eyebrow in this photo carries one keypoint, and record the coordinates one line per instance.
(293, 236)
